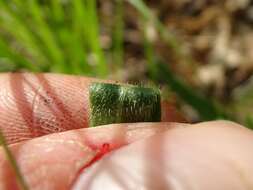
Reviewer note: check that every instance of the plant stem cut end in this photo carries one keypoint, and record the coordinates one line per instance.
(114, 103)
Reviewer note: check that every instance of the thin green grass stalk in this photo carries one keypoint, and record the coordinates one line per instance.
(78, 44)
(169, 39)
(62, 25)
(11, 159)
(61, 30)
(20, 61)
(160, 72)
(249, 122)
(57, 10)
(47, 37)
(141, 7)
(206, 108)
(118, 35)
(92, 34)
(149, 50)
(15, 26)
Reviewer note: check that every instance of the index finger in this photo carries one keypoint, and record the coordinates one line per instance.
(33, 105)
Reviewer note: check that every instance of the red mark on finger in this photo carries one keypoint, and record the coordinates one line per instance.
(101, 151)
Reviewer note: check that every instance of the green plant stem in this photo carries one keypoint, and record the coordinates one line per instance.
(149, 50)
(92, 35)
(47, 36)
(206, 108)
(20, 62)
(118, 34)
(11, 159)
(14, 24)
(147, 14)
(78, 44)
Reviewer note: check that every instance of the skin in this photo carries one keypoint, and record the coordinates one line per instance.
(44, 118)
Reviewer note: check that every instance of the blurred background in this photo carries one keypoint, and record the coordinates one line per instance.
(197, 51)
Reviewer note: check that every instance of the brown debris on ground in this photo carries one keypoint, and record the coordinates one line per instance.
(215, 35)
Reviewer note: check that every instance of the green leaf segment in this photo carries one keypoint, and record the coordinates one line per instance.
(114, 103)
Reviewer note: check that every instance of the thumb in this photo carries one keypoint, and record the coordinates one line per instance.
(214, 155)
(55, 161)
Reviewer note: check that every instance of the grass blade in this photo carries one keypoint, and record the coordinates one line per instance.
(20, 61)
(249, 122)
(92, 35)
(207, 109)
(78, 44)
(13, 25)
(167, 37)
(148, 49)
(118, 34)
(160, 72)
(57, 11)
(47, 36)
(13, 163)
(142, 8)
